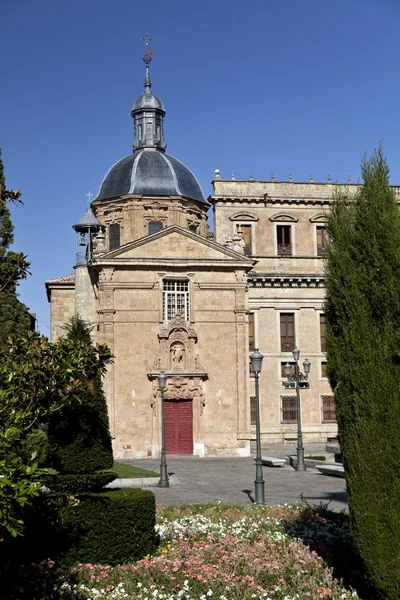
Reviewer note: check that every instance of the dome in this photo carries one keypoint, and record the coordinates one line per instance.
(148, 100)
(150, 172)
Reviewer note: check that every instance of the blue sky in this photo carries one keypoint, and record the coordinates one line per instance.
(263, 85)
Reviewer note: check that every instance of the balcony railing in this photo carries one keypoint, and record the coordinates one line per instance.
(284, 249)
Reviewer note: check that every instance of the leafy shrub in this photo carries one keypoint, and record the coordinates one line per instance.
(36, 447)
(110, 528)
(80, 484)
(79, 435)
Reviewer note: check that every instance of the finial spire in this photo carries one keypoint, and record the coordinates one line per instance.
(147, 60)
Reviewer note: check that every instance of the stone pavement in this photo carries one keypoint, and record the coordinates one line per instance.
(231, 480)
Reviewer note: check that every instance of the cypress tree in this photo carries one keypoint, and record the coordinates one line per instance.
(14, 315)
(363, 351)
(79, 435)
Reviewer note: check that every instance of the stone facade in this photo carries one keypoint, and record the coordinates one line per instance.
(165, 293)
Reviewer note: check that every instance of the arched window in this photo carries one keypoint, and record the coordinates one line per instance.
(155, 226)
(114, 236)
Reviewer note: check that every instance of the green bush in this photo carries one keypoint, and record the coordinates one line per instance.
(79, 484)
(36, 447)
(363, 340)
(79, 435)
(111, 528)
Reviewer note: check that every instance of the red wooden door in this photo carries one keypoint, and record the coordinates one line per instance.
(178, 422)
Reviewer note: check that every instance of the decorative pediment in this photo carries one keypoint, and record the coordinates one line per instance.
(243, 216)
(283, 217)
(156, 205)
(175, 243)
(321, 218)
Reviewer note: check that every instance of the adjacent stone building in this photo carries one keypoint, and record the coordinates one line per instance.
(165, 293)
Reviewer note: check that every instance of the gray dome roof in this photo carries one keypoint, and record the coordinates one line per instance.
(150, 172)
(148, 100)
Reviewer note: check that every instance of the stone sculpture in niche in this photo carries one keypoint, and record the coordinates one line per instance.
(177, 357)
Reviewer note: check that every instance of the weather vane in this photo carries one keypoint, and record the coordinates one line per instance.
(147, 51)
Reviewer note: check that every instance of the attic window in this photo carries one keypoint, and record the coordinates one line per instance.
(155, 226)
(114, 236)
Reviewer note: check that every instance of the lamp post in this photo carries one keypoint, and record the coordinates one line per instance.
(164, 481)
(256, 359)
(298, 380)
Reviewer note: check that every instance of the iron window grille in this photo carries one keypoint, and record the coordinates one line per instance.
(288, 409)
(328, 409)
(175, 299)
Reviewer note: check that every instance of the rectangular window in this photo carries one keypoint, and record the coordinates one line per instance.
(288, 409)
(155, 226)
(283, 374)
(114, 236)
(287, 332)
(252, 344)
(322, 332)
(284, 239)
(324, 369)
(252, 410)
(322, 240)
(175, 299)
(246, 236)
(328, 409)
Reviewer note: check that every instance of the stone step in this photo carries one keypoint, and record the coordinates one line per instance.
(273, 461)
(332, 470)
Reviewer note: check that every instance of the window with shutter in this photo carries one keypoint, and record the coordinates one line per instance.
(114, 236)
(287, 332)
(322, 332)
(251, 333)
(246, 236)
(284, 240)
(154, 226)
(253, 408)
(322, 240)
(283, 374)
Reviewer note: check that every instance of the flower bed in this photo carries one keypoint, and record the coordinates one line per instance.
(222, 553)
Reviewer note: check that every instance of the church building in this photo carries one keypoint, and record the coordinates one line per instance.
(166, 293)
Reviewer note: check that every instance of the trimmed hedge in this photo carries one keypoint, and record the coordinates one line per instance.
(111, 528)
(80, 484)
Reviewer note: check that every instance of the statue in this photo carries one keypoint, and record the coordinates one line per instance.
(177, 356)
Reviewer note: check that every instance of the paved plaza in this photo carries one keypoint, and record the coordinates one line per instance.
(231, 480)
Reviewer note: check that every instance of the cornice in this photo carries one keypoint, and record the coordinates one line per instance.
(260, 280)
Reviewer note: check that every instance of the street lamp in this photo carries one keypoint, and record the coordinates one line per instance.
(256, 359)
(298, 380)
(164, 482)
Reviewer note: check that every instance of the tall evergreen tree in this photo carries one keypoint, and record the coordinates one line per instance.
(79, 435)
(14, 316)
(363, 350)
